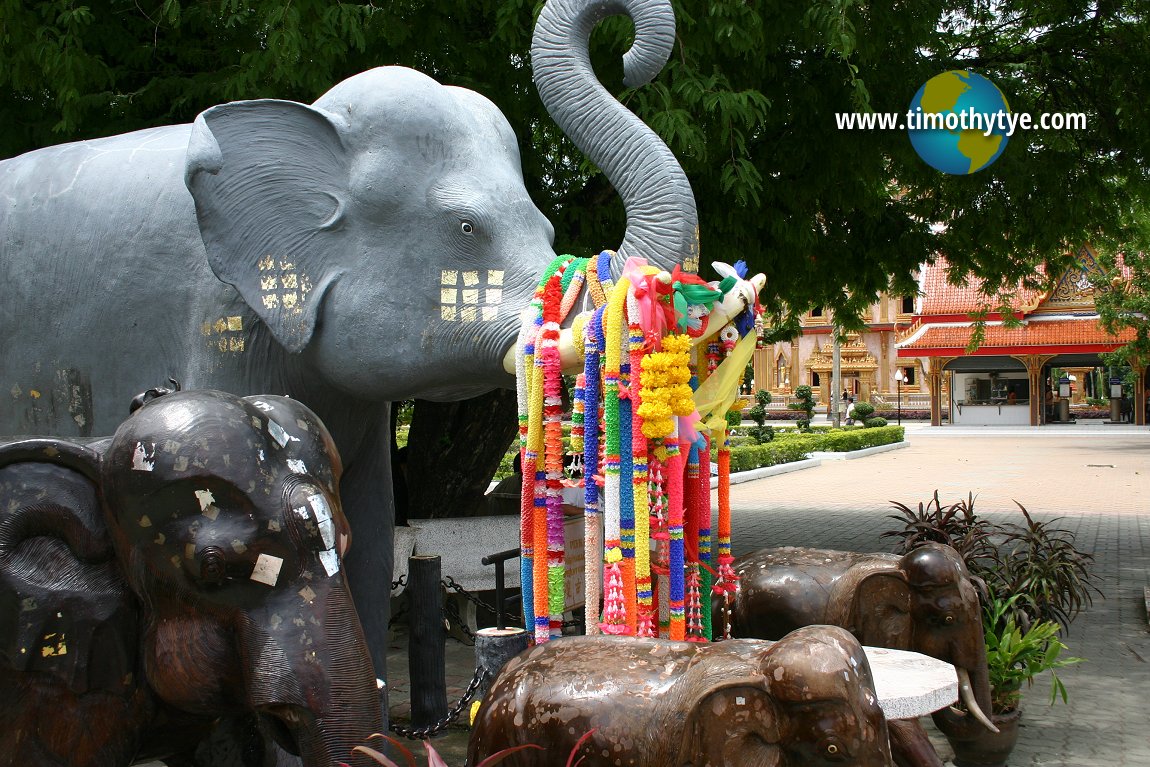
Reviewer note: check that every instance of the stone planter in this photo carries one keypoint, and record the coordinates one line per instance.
(979, 747)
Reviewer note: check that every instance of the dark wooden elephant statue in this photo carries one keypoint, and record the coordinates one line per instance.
(187, 569)
(805, 701)
(924, 601)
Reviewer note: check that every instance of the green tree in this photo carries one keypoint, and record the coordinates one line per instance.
(1124, 302)
(747, 103)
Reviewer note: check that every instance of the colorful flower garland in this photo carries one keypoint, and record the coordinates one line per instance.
(633, 425)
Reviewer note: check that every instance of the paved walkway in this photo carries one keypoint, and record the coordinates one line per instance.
(1097, 478)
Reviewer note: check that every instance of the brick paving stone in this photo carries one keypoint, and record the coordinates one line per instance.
(1097, 482)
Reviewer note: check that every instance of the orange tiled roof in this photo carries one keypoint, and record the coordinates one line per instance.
(940, 297)
(1052, 333)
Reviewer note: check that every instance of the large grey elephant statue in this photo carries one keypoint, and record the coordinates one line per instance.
(376, 245)
(805, 701)
(923, 601)
(187, 569)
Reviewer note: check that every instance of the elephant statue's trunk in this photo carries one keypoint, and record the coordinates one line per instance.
(662, 223)
(322, 691)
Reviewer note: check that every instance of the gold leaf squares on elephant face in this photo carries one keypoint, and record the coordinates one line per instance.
(470, 296)
(282, 286)
(225, 333)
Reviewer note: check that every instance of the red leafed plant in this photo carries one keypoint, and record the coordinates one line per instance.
(435, 760)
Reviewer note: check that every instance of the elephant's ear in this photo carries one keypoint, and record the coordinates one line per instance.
(881, 611)
(733, 722)
(72, 617)
(269, 179)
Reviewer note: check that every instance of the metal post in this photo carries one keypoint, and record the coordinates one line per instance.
(500, 605)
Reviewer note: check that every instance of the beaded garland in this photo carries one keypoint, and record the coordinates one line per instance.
(633, 424)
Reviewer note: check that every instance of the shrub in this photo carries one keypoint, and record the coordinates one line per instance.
(758, 414)
(862, 411)
(956, 526)
(1015, 655)
(1040, 564)
(874, 423)
(908, 414)
(805, 404)
(791, 446)
(1034, 566)
(857, 439)
(734, 418)
(770, 454)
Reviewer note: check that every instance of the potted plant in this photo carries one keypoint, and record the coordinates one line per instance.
(1014, 656)
(1036, 582)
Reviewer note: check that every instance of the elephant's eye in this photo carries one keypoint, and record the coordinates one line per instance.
(832, 749)
(942, 620)
(467, 227)
(213, 565)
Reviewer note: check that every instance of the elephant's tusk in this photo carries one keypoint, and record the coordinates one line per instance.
(966, 693)
(569, 359)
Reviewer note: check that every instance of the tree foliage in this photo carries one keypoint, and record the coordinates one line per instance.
(747, 103)
(1127, 305)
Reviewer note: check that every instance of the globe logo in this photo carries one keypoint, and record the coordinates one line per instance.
(957, 122)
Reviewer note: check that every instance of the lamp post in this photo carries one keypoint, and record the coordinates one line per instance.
(899, 377)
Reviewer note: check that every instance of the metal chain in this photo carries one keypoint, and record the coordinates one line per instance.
(423, 733)
(401, 582)
(449, 583)
(454, 616)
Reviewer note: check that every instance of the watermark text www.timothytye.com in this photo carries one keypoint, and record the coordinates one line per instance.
(970, 119)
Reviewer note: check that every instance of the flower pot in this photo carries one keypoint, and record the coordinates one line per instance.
(981, 747)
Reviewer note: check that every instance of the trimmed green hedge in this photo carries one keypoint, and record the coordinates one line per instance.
(857, 439)
(788, 448)
(770, 454)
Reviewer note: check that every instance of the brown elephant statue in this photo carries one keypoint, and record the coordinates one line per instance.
(187, 570)
(804, 701)
(924, 601)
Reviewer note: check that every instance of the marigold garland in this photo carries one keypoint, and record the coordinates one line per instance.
(666, 387)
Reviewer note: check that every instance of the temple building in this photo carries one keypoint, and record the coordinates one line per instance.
(1009, 378)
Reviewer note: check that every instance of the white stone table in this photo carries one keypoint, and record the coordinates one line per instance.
(910, 684)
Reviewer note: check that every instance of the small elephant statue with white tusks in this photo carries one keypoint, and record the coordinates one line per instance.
(186, 570)
(925, 601)
(804, 701)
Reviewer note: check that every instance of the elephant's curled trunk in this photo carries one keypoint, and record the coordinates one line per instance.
(662, 223)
